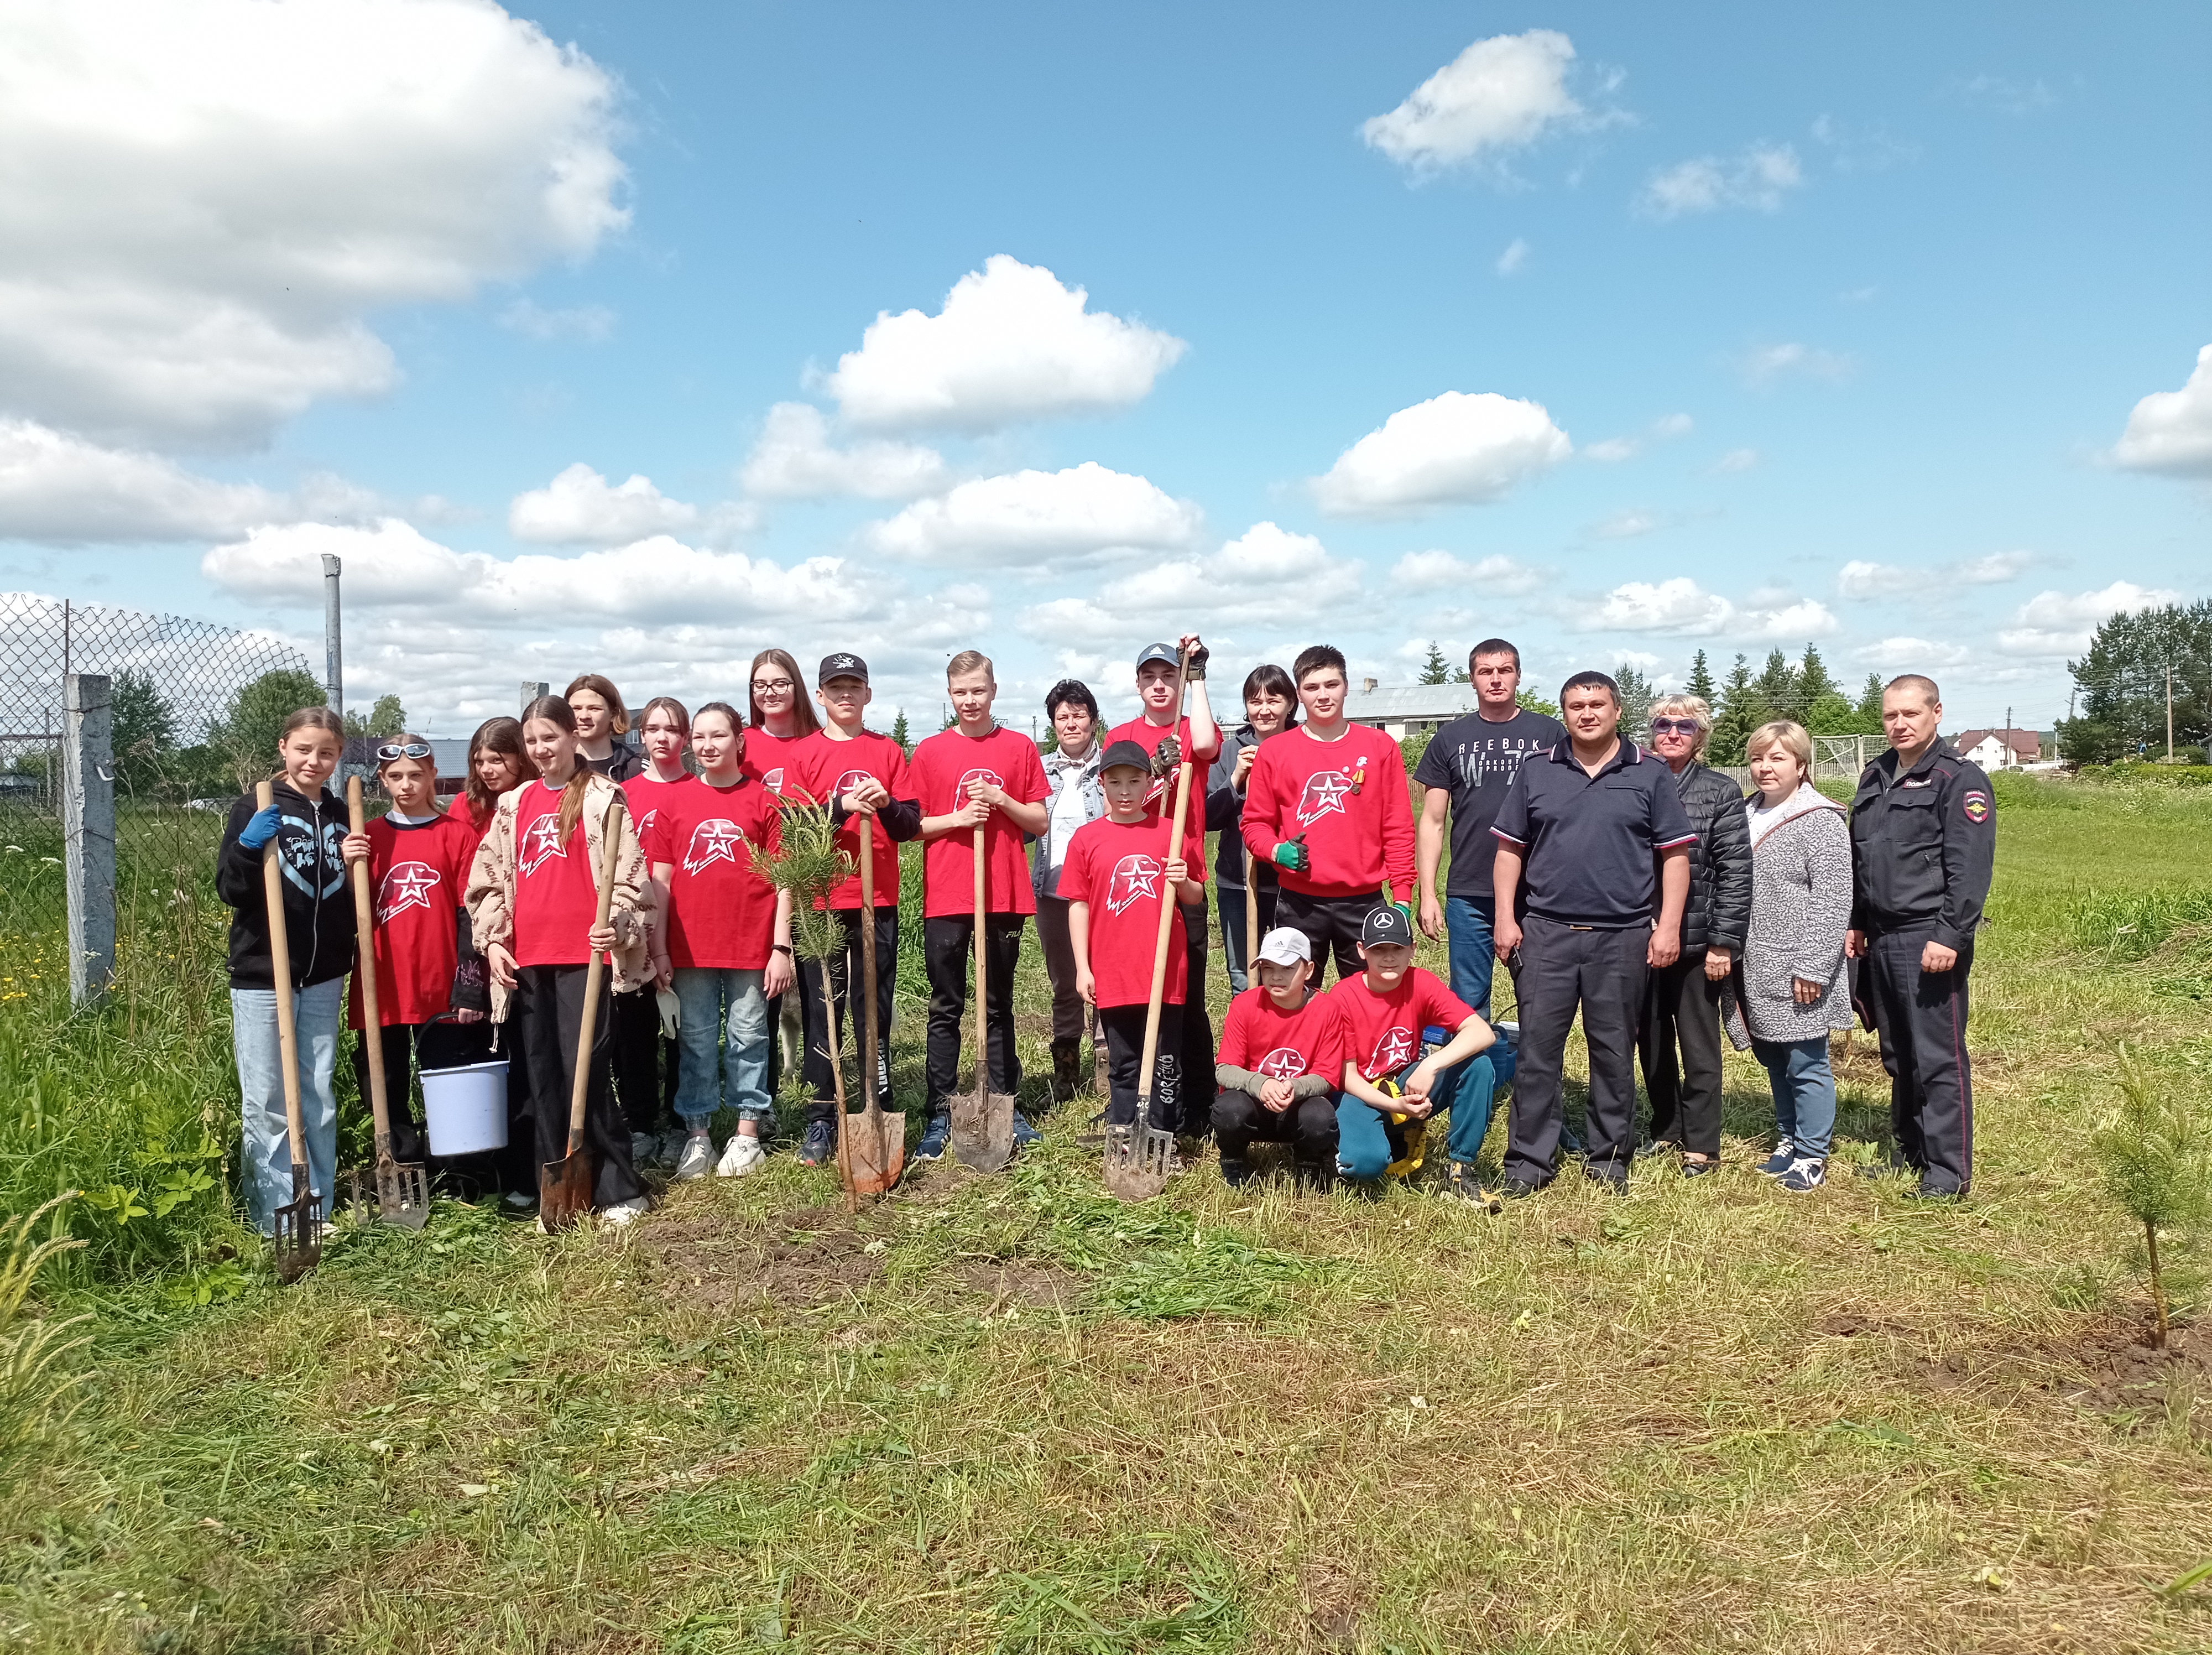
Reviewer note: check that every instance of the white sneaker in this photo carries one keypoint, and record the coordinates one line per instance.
(520, 1200)
(623, 1214)
(698, 1155)
(743, 1155)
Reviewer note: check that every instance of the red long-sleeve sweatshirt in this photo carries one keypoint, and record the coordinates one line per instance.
(1348, 797)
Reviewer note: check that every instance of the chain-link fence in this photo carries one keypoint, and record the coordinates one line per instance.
(195, 709)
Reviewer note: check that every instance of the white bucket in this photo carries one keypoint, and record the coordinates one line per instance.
(466, 1108)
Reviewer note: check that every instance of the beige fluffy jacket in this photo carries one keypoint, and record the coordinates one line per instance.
(490, 896)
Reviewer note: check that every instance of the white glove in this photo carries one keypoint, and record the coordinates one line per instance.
(669, 1006)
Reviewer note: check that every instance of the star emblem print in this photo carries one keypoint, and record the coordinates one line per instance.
(1283, 1063)
(713, 841)
(541, 844)
(1325, 793)
(1134, 876)
(850, 779)
(1394, 1050)
(773, 781)
(406, 886)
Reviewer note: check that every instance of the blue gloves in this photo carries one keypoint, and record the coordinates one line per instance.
(260, 828)
(1291, 854)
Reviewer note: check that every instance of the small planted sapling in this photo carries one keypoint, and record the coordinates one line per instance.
(2155, 1153)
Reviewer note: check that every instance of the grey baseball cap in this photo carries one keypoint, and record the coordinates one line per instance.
(1153, 652)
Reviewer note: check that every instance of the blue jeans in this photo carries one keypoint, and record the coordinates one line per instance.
(1474, 952)
(267, 1168)
(1364, 1148)
(1804, 1092)
(708, 1074)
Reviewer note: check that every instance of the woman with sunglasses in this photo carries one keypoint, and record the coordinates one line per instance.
(1678, 1034)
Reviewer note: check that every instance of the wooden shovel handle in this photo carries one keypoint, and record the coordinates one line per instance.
(868, 1036)
(982, 1029)
(580, 1085)
(280, 978)
(364, 973)
(1169, 905)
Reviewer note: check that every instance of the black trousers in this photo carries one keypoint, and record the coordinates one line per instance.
(845, 970)
(1125, 1056)
(1921, 1017)
(1309, 1125)
(1196, 1039)
(550, 1003)
(644, 1063)
(1603, 973)
(948, 944)
(1677, 1040)
(406, 1046)
(1331, 924)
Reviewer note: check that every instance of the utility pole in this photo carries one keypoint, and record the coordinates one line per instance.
(2169, 711)
(2011, 752)
(333, 652)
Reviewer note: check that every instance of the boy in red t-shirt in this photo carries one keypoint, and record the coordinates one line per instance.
(1118, 872)
(1389, 1013)
(1326, 803)
(1282, 1056)
(431, 993)
(975, 774)
(1167, 742)
(863, 778)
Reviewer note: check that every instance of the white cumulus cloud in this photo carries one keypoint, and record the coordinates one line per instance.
(1862, 580)
(1613, 450)
(1084, 512)
(582, 507)
(1910, 654)
(63, 490)
(794, 460)
(1682, 607)
(1444, 571)
(1268, 576)
(1010, 343)
(1758, 179)
(2062, 623)
(204, 199)
(1452, 449)
(1499, 94)
(2171, 431)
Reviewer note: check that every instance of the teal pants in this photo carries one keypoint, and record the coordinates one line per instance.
(1367, 1142)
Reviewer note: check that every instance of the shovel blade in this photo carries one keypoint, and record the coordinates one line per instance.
(403, 1194)
(875, 1150)
(298, 1230)
(1139, 1161)
(983, 1130)
(564, 1190)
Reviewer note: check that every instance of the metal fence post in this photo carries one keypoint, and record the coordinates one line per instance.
(333, 654)
(88, 833)
(530, 693)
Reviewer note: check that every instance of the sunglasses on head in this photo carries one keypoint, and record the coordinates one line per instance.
(1674, 727)
(387, 754)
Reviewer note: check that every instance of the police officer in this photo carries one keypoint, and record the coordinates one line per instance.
(1923, 840)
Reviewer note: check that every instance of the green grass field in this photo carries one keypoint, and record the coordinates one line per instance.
(1009, 1414)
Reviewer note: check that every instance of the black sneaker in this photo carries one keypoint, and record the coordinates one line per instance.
(1236, 1171)
(820, 1143)
(1460, 1183)
(1698, 1167)
(1928, 1191)
(1319, 1176)
(1616, 1182)
(935, 1137)
(1884, 1167)
(1520, 1188)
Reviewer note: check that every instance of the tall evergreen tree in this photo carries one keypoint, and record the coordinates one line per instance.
(1636, 695)
(1740, 713)
(1776, 688)
(1436, 669)
(1813, 679)
(900, 735)
(1701, 679)
(2120, 685)
(1870, 700)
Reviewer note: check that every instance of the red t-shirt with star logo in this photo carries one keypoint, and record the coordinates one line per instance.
(721, 913)
(1348, 797)
(1119, 873)
(769, 759)
(1260, 1036)
(417, 872)
(823, 768)
(557, 897)
(1382, 1033)
(644, 796)
(942, 765)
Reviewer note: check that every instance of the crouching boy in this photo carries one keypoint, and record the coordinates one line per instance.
(1282, 1053)
(1119, 872)
(1391, 1088)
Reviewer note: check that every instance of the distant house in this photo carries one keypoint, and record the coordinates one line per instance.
(1401, 710)
(2001, 749)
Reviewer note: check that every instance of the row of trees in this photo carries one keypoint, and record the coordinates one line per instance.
(2120, 686)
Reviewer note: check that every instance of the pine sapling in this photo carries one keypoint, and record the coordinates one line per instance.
(810, 864)
(2156, 1157)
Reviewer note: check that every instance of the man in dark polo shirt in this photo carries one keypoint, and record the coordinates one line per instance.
(1581, 824)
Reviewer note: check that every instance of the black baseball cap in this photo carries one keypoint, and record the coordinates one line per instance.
(842, 665)
(1128, 755)
(1387, 924)
(1153, 652)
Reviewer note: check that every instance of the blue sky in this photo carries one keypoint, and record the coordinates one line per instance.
(1836, 321)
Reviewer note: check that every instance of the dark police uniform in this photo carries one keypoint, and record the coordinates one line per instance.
(1922, 845)
(1592, 884)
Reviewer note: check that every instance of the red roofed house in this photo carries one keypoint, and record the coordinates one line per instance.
(1999, 749)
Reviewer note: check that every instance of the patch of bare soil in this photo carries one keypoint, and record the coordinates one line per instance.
(801, 1259)
(1028, 1286)
(2133, 1375)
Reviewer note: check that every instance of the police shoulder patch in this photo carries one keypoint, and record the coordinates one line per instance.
(1976, 806)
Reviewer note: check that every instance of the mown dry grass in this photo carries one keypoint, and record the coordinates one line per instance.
(1008, 1415)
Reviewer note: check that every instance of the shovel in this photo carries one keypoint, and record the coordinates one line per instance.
(1140, 1156)
(403, 1191)
(564, 1187)
(299, 1236)
(983, 1120)
(875, 1143)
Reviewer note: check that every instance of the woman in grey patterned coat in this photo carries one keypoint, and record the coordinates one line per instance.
(1792, 986)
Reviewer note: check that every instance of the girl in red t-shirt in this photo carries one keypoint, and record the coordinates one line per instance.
(724, 943)
(533, 905)
(431, 996)
(645, 1058)
(497, 766)
(782, 717)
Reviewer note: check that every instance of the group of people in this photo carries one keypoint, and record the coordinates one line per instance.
(1627, 881)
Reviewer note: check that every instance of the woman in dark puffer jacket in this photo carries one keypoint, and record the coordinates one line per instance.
(1678, 1037)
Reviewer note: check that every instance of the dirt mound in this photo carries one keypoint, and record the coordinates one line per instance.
(799, 1259)
(1012, 1282)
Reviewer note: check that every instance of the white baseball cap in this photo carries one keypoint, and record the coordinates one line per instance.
(1284, 946)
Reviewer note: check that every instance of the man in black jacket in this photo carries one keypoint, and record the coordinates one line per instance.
(1678, 1037)
(1923, 844)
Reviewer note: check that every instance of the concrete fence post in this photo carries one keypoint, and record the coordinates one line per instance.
(530, 693)
(88, 832)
